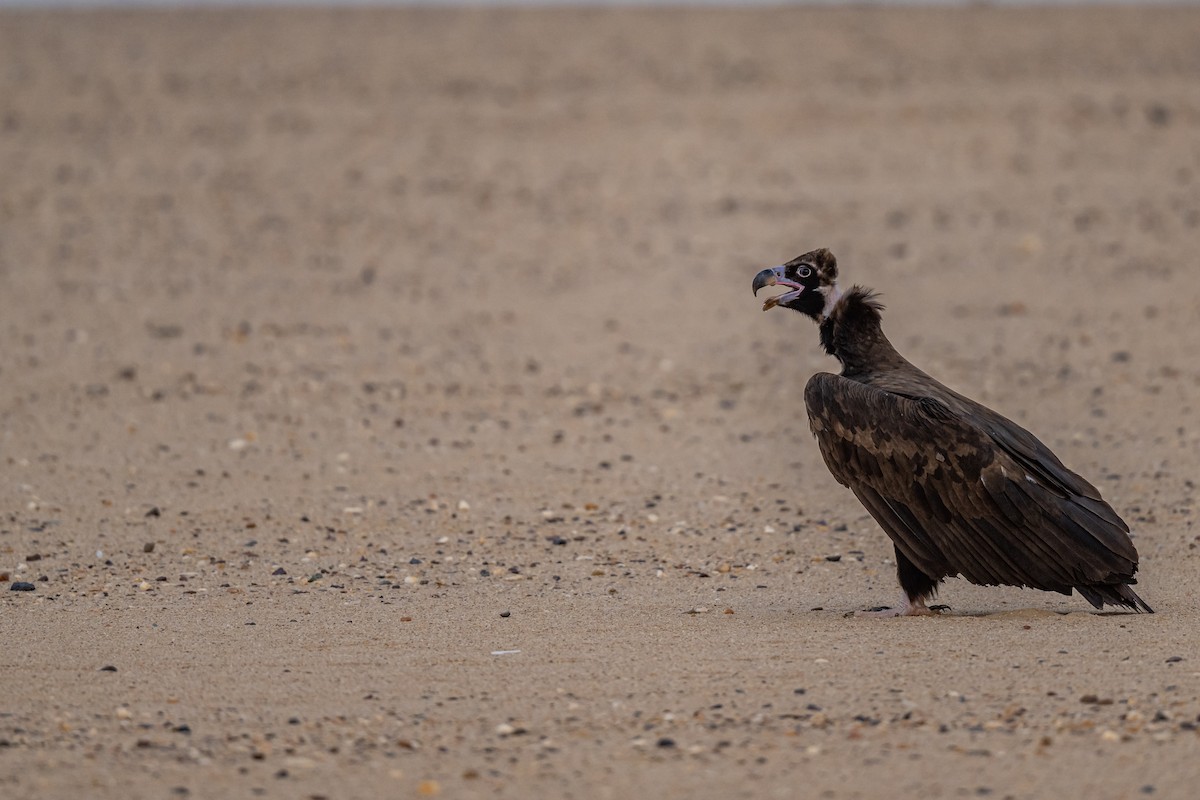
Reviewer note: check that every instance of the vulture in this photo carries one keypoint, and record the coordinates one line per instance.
(958, 488)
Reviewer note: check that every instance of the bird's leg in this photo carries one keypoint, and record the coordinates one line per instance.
(915, 587)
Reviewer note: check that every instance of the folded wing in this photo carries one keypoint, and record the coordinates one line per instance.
(963, 491)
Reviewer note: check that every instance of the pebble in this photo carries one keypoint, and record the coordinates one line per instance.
(279, 571)
(506, 614)
(148, 547)
(22, 586)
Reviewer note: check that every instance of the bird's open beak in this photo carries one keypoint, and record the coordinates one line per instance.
(774, 277)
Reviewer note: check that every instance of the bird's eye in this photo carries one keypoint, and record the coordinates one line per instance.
(804, 272)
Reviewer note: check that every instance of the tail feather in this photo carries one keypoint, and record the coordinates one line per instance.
(1115, 594)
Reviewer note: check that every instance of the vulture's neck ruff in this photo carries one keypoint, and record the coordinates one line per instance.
(852, 332)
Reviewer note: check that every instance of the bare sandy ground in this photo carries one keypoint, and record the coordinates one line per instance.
(384, 411)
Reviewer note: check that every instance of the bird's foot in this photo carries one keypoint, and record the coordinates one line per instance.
(906, 608)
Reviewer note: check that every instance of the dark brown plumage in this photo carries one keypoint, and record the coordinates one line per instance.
(960, 489)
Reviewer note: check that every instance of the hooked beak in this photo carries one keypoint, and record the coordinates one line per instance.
(775, 277)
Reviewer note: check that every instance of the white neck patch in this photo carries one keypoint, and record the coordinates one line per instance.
(833, 295)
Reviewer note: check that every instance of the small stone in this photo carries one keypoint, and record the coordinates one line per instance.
(506, 614)
(107, 668)
(279, 571)
(1174, 659)
(666, 742)
(835, 557)
(429, 788)
(504, 729)
(148, 547)
(123, 713)
(22, 586)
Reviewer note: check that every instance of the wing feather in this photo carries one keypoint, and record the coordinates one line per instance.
(967, 493)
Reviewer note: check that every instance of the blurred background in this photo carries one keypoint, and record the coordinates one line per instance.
(363, 343)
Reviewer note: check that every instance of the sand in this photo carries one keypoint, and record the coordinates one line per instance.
(384, 410)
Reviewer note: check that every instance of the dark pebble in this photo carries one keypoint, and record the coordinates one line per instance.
(107, 668)
(154, 511)
(316, 576)
(506, 614)
(148, 547)
(799, 691)
(22, 586)
(666, 742)
(483, 573)
(34, 557)
(414, 561)
(1148, 789)
(279, 571)
(833, 558)
(182, 728)
(1171, 660)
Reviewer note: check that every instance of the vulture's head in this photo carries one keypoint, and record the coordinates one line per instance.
(811, 282)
